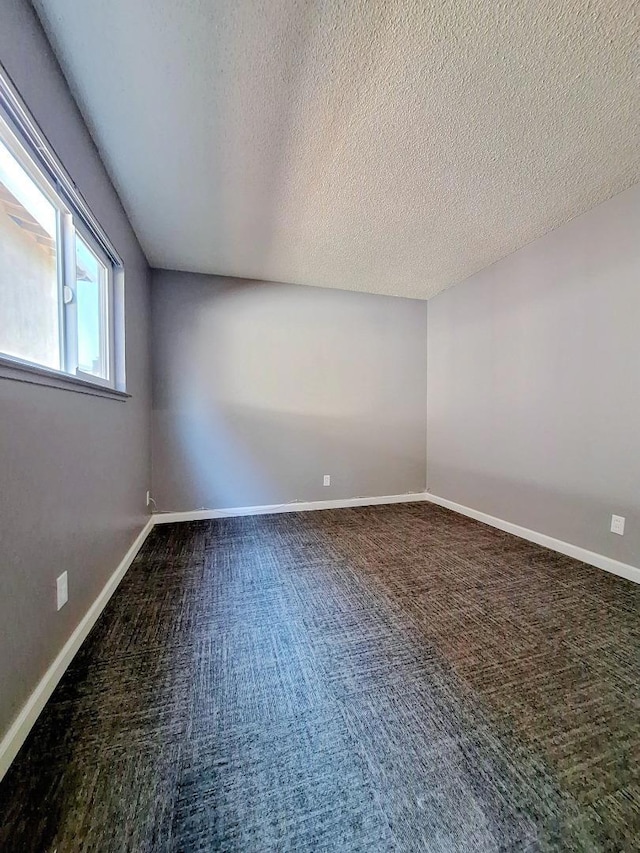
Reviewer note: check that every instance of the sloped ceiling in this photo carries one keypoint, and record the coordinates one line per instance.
(389, 147)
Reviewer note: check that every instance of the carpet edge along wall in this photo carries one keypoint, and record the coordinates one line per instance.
(379, 678)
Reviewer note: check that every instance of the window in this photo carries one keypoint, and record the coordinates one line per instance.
(60, 278)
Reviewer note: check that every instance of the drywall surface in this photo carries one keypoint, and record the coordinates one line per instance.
(390, 147)
(261, 389)
(534, 384)
(73, 468)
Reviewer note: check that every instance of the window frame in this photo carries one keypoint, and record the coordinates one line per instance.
(74, 222)
(107, 321)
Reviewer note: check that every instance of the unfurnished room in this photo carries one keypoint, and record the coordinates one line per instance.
(319, 426)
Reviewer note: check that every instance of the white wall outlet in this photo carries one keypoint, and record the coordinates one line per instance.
(148, 498)
(617, 524)
(327, 480)
(62, 590)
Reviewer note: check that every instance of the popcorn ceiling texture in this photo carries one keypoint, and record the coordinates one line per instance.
(389, 147)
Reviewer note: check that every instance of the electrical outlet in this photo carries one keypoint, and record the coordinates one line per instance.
(327, 480)
(62, 590)
(617, 524)
(148, 497)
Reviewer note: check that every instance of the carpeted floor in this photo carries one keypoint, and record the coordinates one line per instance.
(393, 678)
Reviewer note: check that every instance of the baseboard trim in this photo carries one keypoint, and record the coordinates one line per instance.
(623, 570)
(296, 506)
(22, 725)
(590, 557)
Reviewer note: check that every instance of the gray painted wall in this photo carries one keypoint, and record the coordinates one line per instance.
(73, 468)
(534, 391)
(260, 389)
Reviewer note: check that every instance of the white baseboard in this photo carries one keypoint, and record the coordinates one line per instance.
(22, 725)
(20, 728)
(296, 506)
(24, 722)
(631, 573)
(590, 557)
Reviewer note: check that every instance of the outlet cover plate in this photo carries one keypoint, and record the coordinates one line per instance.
(62, 590)
(617, 524)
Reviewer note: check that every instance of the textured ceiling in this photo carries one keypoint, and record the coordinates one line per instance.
(389, 147)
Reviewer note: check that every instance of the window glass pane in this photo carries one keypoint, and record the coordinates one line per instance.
(29, 325)
(90, 294)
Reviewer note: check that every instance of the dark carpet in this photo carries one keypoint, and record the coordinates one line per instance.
(390, 678)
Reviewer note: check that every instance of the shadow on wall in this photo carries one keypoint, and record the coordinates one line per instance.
(261, 389)
(238, 456)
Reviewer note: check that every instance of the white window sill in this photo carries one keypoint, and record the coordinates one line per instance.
(18, 371)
